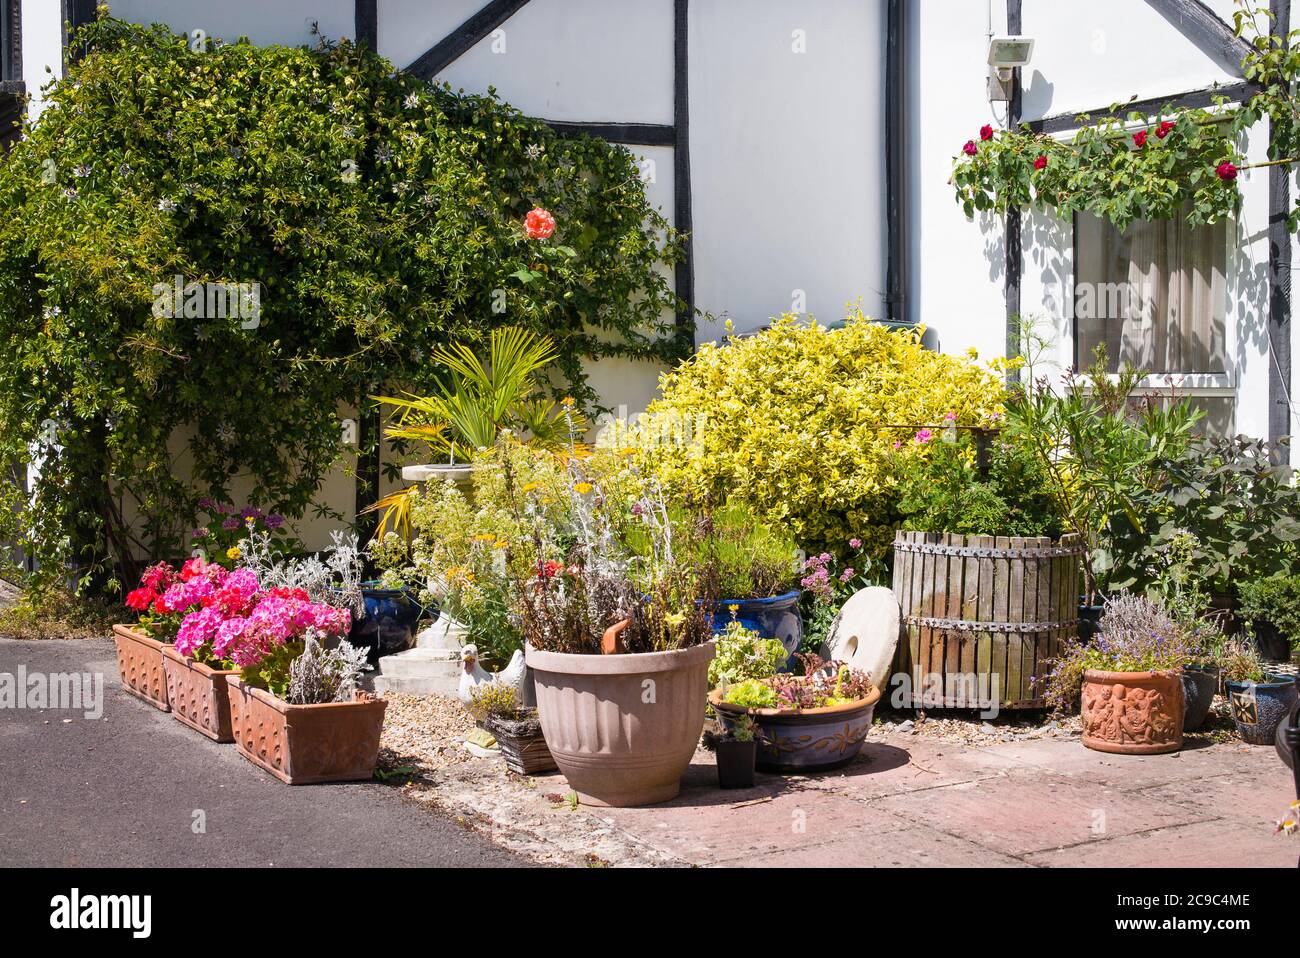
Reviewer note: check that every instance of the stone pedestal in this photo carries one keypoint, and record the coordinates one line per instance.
(433, 667)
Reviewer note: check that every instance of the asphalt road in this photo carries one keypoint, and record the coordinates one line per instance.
(124, 790)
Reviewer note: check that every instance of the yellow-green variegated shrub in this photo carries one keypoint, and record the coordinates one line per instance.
(800, 423)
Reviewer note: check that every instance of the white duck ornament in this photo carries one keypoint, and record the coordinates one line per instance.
(475, 675)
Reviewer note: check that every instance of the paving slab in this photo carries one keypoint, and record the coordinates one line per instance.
(707, 826)
(1072, 760)
(1257, 800)
(912, 846)
(1217, 844)
(906, 764)
(1029, 810)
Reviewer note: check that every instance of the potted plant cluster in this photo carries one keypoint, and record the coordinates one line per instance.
(812, 721)
(517, 729)
(256, 654)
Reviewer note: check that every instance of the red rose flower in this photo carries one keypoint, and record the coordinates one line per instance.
(1140, 138)
(1164, 129)
(1227, 171)
(539, 224)
(970, 149)
(140, 599)
(1040, 163)
(986, 132)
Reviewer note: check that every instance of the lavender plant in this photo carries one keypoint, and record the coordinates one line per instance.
(1137, 634)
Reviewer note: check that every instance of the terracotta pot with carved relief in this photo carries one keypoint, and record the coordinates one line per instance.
(1132, 713)
(140, 663)
(304, 744)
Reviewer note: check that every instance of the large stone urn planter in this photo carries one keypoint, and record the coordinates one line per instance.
(622, 728)
(199, 695)
(140, 663)
(1133, 713)
(800, 741)
(303, 744)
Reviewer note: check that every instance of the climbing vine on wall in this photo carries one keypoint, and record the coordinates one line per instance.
(1130, 165)
(365, 217)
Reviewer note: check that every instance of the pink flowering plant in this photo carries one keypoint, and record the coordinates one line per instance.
(828, 583)
(227, 619)
(166, 595)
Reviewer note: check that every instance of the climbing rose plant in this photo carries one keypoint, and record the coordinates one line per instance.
(366, 217)
(1172, 160)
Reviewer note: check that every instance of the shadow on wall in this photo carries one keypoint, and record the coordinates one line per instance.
(1036, 97)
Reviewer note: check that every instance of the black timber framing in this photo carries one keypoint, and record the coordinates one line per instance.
(76, 13)
(1014, 258)
(1194, 99)
(366, 23)
(684, 277)
(11, 57)
(631, 134)
(1203, 27)
(462, 39)
(896, 113)
(1279, 278)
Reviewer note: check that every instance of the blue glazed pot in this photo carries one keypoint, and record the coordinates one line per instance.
(1199, 685)
(388, 625)
(774, 618)
(811, 740)
(1258, 708)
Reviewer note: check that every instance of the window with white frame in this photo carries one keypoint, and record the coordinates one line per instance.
(1155, 295)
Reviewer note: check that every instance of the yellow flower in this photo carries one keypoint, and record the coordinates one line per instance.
(233, 553)
(500, 544)
(628, 451)
(529, 486)
(485, 537)
(733, 608)
(567, 402)
(582, 488)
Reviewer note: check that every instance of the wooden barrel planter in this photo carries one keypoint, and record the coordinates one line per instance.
(982, 615)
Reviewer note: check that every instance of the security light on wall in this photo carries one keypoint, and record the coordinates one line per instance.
(1006, 54)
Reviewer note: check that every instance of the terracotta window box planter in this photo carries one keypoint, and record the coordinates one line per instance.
(623, 727)
(305, 744)
(140, 663)
(1132, 713)
(199, 695)
(804, 740)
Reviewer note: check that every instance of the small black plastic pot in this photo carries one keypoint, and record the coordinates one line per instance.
(736, 763)
(1089, 620)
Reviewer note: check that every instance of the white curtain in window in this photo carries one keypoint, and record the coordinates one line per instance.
(1172, 317)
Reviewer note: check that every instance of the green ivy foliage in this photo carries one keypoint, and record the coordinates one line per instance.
(382, 218)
